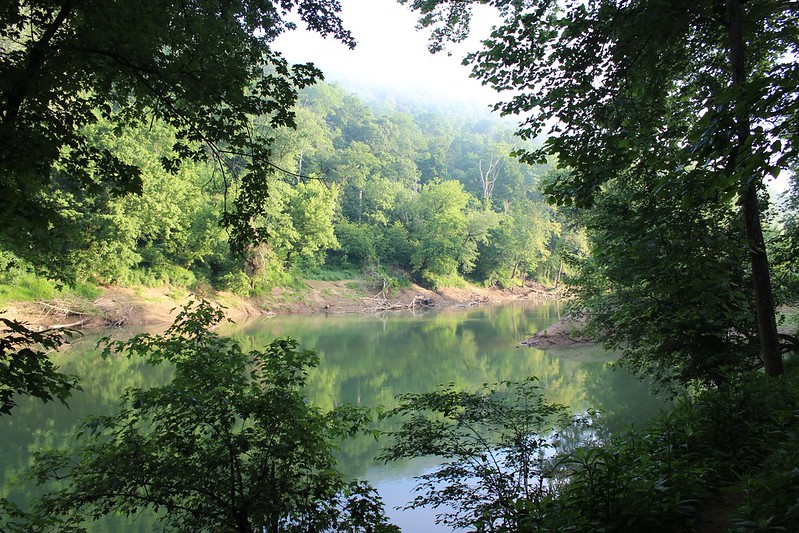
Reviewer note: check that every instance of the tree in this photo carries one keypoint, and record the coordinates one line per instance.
(230, 444)
(665, 284)
(25, 368)
(704, 89)
(494, 443)
(446, 231)
(519, 243)
(204, 68)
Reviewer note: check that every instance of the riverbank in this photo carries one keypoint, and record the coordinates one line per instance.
(137, 306)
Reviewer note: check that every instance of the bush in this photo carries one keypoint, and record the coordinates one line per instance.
(652, 479)
(236, 282)
(358, 243)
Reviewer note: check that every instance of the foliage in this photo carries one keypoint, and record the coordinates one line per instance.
(784, 245)
(445, 231)
(494, 443)
(229, 444)
(519, 244)
(25, 367)
(770, 496)
(363, 172)
(204, 68)
(653, 478)
(674, 298)
(358, 243)
(697, 98)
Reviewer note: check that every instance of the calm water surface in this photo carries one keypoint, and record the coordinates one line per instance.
(364, 360)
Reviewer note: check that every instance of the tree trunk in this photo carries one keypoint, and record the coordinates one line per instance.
(37, 55)
(764, 299)
(560, 273)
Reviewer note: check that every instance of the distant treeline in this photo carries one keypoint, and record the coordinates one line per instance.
(398, 192)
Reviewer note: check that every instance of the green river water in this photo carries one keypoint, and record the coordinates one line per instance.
(365, 360)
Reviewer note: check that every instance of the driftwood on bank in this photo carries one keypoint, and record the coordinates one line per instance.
(564, 332)
(102, 311)
(380, 302)
(474, 302)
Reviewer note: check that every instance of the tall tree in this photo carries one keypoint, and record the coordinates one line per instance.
(701, 89)
(204, 67)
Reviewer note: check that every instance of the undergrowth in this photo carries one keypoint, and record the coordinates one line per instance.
(740, 437)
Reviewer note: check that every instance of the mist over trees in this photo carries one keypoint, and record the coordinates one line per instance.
(666, 119)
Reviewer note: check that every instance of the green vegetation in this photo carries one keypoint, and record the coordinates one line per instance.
(358, 194)
(229, 444)
(72, 74)
(514, 462)
(25, 367)
(168, 143)
(665, 119)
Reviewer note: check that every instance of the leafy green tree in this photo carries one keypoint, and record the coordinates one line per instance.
(25, 368)
(395, 246)
(494, 443)
(704, 89)
(204, 68)
(301, 149)
(519, 243)
(312, 208)
(230, 444)
(673, 299)
(358, 243)
(445, 234)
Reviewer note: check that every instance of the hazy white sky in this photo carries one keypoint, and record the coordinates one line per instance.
(390, 54)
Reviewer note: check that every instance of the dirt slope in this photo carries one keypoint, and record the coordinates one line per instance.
(141, 305)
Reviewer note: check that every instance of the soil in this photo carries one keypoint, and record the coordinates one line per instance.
(125, 307)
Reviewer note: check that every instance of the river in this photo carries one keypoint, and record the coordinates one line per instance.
(365, 360)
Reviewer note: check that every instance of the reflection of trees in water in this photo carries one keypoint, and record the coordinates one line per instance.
(36, 426)
(369, 361)
(623, 399)
(364, 360)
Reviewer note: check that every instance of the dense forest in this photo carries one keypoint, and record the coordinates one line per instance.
(394, 193)
(163, 142)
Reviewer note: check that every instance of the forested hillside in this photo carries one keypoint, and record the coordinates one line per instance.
(395, 192)
(170, 143)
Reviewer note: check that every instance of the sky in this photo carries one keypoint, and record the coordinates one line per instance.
(391, 55)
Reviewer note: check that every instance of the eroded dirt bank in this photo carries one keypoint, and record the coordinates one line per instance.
(122, 307)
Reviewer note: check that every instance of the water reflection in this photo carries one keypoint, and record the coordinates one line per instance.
(364, 360)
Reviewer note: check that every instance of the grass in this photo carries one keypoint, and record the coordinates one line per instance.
(29, 287)
(330, 273)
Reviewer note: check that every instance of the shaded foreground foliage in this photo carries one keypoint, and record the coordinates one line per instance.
(230, 444)
(515, 463)
(25, 367)
(696, 102)
(494, 443)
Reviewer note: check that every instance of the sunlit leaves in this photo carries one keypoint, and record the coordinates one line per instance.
(203, 68)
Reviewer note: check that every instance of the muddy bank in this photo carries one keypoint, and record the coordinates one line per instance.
(126, 307)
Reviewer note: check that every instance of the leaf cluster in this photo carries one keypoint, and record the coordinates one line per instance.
(27, 369)
(493, 444)
(230, 444)
(204, 68)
